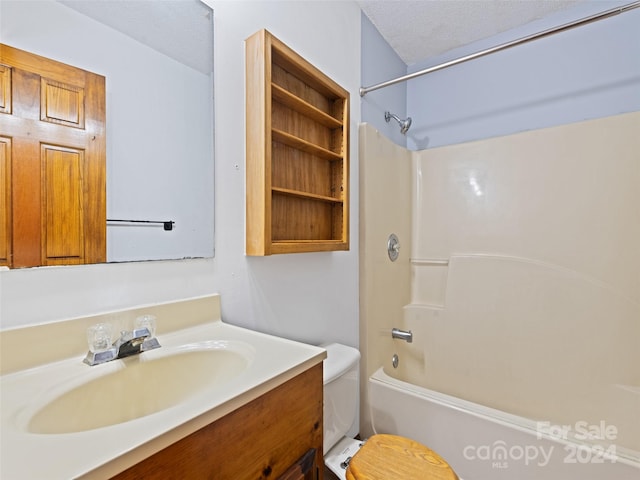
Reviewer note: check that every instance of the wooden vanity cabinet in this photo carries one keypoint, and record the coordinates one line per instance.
(276, 436)
(306, 468)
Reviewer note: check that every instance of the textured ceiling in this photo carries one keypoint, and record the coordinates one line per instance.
(420, 29)
(415, 29)
(176, 28)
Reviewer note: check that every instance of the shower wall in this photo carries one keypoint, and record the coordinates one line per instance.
(526, 274)
(523, 271)
(385, 287)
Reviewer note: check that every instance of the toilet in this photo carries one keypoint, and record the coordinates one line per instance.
(384, 457)
(341, 406)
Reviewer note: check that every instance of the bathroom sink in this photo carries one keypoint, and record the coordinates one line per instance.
(117, 414)
(128, 389)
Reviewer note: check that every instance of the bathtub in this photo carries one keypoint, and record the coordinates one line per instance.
(482, 443)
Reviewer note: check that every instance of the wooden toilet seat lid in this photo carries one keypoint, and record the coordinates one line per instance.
(390, 457)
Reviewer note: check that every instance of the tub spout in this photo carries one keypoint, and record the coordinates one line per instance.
(402, 334)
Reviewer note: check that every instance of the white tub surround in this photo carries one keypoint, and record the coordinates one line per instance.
(482, 443)
(519, 282)
(41, 371)
(534, 308)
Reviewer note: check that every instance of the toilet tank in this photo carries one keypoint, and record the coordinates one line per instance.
(341, 393)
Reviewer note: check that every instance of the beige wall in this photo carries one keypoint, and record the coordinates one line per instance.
(385, 199)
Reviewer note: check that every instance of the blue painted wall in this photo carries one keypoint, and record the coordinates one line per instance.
(381, 63)
(588, 72)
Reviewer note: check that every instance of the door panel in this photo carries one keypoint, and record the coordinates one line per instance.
(61, 103)
(5, 89)
(5, 201)
(62, 172)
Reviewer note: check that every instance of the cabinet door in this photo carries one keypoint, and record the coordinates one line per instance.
(54, 116)
(304, 469)
(280, 431)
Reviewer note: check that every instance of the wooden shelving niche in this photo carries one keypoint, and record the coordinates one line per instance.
(297, 163)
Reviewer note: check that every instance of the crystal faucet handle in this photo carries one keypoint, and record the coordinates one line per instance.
(99, 337)
(148, 322)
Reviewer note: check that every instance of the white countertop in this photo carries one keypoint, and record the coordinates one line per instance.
(103, 452)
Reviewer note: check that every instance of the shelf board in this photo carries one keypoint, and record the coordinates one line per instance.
(294, 102)
(302, 246)
(300, 144)
(307, 195)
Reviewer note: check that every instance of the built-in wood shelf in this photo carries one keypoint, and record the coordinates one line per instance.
(286, 98)
(301, 144)
(296, 193)
(297, 153)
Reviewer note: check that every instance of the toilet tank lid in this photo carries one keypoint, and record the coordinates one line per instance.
(340, 359)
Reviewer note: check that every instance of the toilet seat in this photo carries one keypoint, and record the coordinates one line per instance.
(391, 457)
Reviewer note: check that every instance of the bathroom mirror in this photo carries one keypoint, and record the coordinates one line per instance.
(157, 58)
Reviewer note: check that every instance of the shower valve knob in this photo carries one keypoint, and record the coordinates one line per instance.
(393, 247)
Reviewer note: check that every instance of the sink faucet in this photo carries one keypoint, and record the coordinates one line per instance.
(134, 342)
(130, 343)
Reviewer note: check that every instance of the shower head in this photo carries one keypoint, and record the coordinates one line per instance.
(404, 124)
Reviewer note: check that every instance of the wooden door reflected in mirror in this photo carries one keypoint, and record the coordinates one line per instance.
(54, 154)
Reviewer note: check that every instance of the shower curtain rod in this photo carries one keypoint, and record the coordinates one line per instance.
(577, 23)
